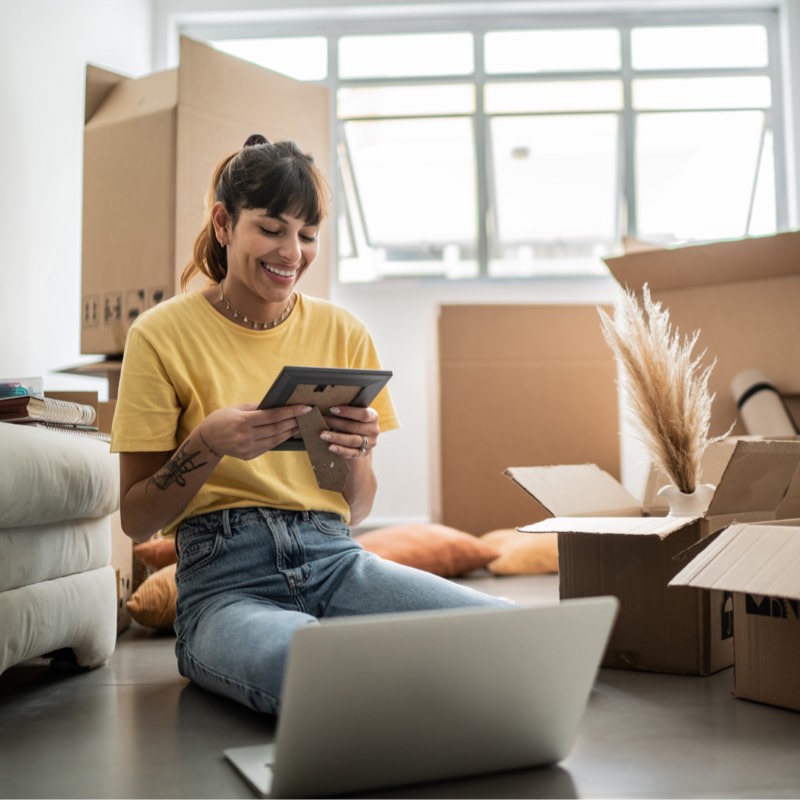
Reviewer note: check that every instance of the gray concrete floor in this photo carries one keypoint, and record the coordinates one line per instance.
(135, 729)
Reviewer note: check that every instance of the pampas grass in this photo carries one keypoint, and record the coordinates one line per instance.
(667, 387)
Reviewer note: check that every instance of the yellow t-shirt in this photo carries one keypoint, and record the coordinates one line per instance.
(184, 360)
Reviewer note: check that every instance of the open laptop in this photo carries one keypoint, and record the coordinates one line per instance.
(392, 699)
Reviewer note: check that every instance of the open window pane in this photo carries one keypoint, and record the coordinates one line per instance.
(554, 50)
(555, 181)
(304, 58)
(405, 55)
(699, 46)
(401, 101)
(416, 189)
(764, 215)
(687, 93)
(695, 174)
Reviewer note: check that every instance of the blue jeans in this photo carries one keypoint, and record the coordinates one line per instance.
(249, 577)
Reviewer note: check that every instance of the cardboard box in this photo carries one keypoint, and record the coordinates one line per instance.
(610, 543)
(150, 147)
(742, 296)
(530, 384)
(107, 368)
(759, 566)
(122, 561)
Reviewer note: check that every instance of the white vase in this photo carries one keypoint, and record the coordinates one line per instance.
(693, 504)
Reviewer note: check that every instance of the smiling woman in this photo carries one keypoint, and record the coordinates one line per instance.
(263, 549)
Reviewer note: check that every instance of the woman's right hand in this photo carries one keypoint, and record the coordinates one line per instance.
(246, 431)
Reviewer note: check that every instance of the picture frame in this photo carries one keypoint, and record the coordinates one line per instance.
(323, 387)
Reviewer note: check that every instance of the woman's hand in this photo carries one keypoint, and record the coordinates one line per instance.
(353, 431)
(247, 431)
(353, 435)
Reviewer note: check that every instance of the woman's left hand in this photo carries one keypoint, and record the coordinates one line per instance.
(353, 431)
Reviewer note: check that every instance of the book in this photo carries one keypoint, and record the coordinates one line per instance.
(88, 431)
(30, 408)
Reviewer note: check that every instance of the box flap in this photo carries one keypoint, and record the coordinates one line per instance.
(99, 83)
(751, 259)
(576, 490)
(790, 505)
(756, 478)
(757, 559)
(135, 97)
(628, 526)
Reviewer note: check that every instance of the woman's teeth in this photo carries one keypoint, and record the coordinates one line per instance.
(284, 273)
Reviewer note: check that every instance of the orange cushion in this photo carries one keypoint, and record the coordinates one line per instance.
(153, 603)
(431, 547)
(156, 552)
(522, 553)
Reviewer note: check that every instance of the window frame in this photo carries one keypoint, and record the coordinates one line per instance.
(336, 22)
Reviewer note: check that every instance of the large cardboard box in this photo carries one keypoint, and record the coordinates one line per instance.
(150, 147)
(743, 296)
(610, 543)
(524, 384)
(759, 565)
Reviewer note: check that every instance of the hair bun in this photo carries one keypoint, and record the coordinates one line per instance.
(254, 139)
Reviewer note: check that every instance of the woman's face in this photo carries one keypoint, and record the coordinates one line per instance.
(268, 254)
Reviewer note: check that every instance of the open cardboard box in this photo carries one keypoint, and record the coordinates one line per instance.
(742, 295)
(611, 543)
(758, 564)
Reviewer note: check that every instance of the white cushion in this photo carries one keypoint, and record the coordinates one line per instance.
(47, 476)
(76, 611)
(43, 552)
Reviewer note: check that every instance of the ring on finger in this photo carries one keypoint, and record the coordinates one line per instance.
(364, 443)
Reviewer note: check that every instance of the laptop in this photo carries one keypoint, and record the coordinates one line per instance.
(387, 700)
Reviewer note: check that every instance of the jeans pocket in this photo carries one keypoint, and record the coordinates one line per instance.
(329, 523)
(198, 544)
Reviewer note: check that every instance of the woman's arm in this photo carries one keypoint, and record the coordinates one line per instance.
(156, 487)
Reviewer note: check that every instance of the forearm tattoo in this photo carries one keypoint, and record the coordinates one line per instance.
(175, 470)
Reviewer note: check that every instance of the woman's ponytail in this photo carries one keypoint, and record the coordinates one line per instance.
(208, 255)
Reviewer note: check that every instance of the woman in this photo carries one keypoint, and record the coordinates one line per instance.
(262, 549)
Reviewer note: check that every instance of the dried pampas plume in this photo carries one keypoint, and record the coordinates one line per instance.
(666, 386)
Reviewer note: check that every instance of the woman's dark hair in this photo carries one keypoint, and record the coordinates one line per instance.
(278, 177)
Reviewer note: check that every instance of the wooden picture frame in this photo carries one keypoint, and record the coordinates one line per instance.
(323, 387)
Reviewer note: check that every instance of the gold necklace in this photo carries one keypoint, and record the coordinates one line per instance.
(257, 324)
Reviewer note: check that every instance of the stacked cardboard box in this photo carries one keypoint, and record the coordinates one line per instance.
(611, 544)
(759, 565)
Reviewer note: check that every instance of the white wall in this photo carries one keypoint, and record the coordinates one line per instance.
(44, 48)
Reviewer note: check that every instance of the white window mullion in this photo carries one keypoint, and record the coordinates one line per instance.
(628, 137)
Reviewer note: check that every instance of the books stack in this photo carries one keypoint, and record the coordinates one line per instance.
(23, 402)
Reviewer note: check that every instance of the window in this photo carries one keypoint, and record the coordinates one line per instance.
(486, 149)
